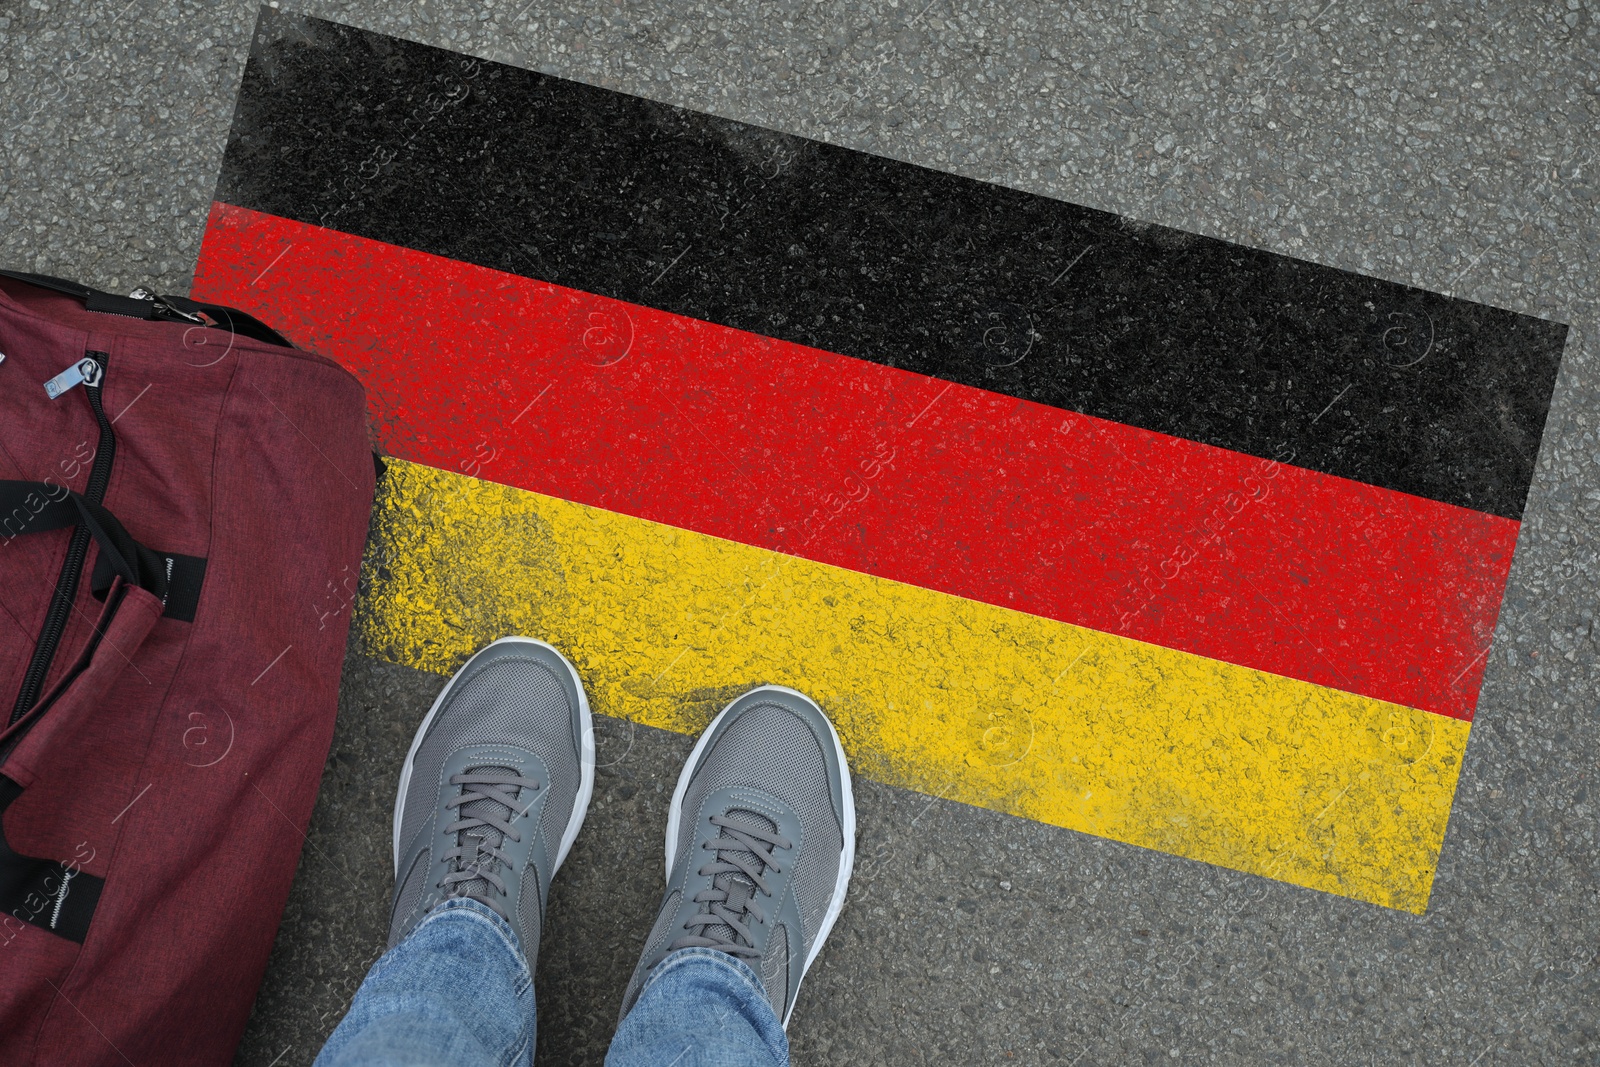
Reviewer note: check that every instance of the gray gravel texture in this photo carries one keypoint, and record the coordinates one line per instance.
(1448, 146)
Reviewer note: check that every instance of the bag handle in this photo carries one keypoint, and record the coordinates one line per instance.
(163, 308)
(36, 507)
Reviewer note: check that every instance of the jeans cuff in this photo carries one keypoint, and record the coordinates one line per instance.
(682, 957)
(474, 909)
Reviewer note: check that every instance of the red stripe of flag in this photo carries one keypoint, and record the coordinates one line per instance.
(858, 465)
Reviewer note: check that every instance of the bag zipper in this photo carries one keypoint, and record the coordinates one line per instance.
(88, 372)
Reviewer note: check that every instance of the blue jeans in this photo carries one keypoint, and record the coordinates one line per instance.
(456, 992)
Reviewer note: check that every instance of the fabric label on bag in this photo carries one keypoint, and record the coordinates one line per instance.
(185, 575)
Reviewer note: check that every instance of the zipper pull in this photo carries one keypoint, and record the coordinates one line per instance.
(87, 372)
(160, 309)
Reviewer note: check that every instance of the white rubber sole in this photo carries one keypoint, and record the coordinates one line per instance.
(580, 807)
(836, 903)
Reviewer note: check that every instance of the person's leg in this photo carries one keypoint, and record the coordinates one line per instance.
(455, 991)
(492, 794)
(760, 845)
(700, 1008)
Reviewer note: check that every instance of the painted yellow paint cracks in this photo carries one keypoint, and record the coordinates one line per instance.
(951, 697)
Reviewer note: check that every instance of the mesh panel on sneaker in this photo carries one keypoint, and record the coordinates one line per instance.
(528, 917)
(774, 967)
(664, 931)
(769, 748)
(406, 900)
(505, 699)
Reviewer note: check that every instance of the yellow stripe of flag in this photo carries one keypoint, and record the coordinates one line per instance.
(1053, 722)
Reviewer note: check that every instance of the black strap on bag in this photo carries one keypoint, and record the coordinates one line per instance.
(35, 507)
(161, 308)
(54, 895)
(57, 895)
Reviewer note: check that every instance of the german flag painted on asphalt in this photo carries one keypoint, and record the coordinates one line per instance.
(1126, 530)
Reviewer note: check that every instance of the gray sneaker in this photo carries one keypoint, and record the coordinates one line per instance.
(761, 838)
(494, 789)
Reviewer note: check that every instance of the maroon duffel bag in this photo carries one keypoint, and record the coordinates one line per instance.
(183, 503)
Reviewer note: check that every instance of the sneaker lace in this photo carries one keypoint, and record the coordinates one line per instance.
(744, 853)
(485, 808)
